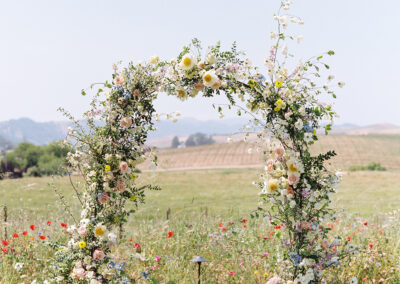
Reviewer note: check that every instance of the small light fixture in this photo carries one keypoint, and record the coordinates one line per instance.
(199, 260)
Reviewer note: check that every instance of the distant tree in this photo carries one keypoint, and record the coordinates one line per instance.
(175, 142)
(190, 141)
(199, 139)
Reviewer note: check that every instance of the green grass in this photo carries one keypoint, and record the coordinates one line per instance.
(199, 200)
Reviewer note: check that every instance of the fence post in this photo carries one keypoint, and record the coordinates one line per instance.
(5, 221)
(168, 213)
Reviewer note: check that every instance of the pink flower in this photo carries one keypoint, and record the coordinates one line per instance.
(265, 254)
(78, 273)
(270, 165)
(120, 186)
(82, 231)
(232, 272)
(119, 80)
(98, 254)
(126, 122)
(279, 151)
(293, 179)
(123, 166)
(158, 258)
(274, 280)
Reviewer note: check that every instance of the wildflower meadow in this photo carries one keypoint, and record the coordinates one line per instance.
(115, 224)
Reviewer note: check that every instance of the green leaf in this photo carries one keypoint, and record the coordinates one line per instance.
(331, 52)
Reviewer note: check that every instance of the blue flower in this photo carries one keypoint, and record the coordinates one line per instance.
(145, 275)
(295, 258)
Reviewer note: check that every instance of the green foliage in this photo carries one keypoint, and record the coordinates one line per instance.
(199, 139)
(373, 166)
(36, 160)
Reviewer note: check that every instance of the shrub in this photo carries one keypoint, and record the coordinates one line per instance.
(373, 166)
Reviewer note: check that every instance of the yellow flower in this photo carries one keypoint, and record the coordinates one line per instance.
(256, 272)
(107, 168)
(133, 198)
(82, 245)
(278, 84)
(314, 132)
(252, 83)
(266, 274)
(277, 108)
(273, 185)
(134, 176)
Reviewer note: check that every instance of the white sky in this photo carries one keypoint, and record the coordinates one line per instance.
(50, 50)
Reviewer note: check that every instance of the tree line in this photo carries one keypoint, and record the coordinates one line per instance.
(34, 160)
(196, 139)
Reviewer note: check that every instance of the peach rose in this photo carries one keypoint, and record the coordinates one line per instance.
(290, 191)
(279, 152)
(126, 122)
(136, 92)
(270, 165)
(79, 273)
(82, 231)
(98, 254)
(216, 85)
(123, 166)
(120, 186)
(199, 86)
(119, 80)
(293, 179)
(103, 197)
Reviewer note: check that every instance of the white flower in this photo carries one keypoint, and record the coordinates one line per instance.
(299, 39)
(18, 266)
(353, 280)
(154, 59)
(211, 59)
(292, 204)
(273, 185)
(188, 62)
(341, 84)
(209, 78)
(299, 124)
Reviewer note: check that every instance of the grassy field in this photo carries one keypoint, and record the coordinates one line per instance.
(201, 200)
(352, 150)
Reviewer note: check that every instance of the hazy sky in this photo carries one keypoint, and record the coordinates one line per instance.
(50, 50)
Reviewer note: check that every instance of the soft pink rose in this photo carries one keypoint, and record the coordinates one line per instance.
(274, 280)
(126, 122)
(325, 244)
(79, 272)
(98, 254)
(293, 179)
(200, 64)
(82, 231)
(270, 165)
(279, 151)
(119, 80)
(104, 198)
(216, 85)
(123, 166)
(199, 86)
(120, 186)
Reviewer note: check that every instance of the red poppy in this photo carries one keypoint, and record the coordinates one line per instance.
(137, 245)
(244, 226)
(349, 239)
(220, 225)
(5, 243)
(223, 229)
(48, 223)
(277, 227)
(232, 272)
(15, 235)
(25, 233)
(364, 279)
(371, 245)
(130, 239)
(32, 227)
(334, 249)
(170, 234)
(64, 225)
(231, 223)
(5, 249)
(42, 237)
(244, 220)
(365, 223)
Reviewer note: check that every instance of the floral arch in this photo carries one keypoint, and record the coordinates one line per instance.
(295, 186)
